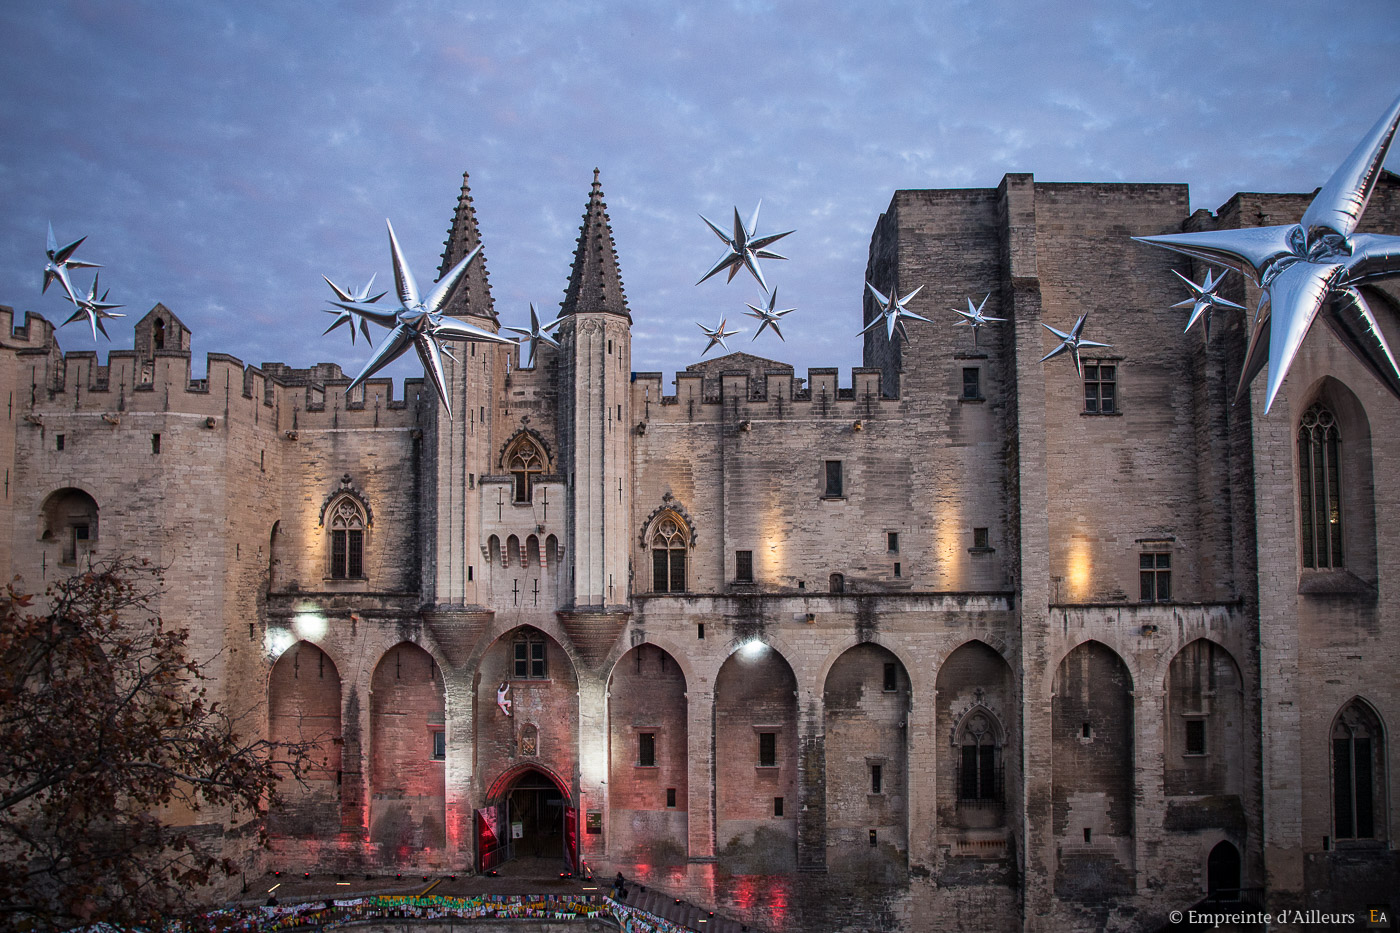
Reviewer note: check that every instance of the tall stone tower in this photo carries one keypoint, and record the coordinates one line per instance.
(596, 346)
(463, 443)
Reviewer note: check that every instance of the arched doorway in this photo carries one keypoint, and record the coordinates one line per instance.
(529, 813)
(1223, 873)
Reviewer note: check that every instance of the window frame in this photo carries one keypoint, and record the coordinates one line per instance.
(743, 566)
(347, 524)
(1321, 519)
(1096, 400)
(646, 749)
(834, 479)
(669, 540)
(768, 749)
(530, 649)
(971, 387)
(1155, 575)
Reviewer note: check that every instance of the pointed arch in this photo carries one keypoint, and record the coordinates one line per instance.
(346, 516)
(1359, 774)
(526, 458)
(1335, 482)
(648, 759)
(1204, 692)
(68, 518)
(407, 779)
(668, 537)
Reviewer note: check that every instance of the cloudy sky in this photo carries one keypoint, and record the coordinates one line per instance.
(220, 157)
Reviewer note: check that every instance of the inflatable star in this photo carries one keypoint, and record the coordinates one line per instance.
(348, 317)
(94, 308)
(1204, 300)
(893, 312)
(716, 335)
(745, 248)
(1071, 342)
(60, 261)
(537, 334)
(418, 323)
(1312, 268)
(768, 317)
(975, 318)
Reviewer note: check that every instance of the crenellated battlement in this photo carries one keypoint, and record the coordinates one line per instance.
(774, 393)
(146, 378)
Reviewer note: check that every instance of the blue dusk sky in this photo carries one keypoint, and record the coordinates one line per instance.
(220, 157)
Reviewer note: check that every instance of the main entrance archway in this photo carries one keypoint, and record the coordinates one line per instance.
(529, 813)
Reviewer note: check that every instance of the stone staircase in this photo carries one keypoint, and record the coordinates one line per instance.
(679, 911)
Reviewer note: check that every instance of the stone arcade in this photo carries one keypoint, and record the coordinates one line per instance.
(971, 641)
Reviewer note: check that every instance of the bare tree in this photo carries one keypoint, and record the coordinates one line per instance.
(105, 721)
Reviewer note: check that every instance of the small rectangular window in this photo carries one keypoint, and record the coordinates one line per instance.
(777, 806)
(58, 441)
(700, 630)
(834, 487)
(646, 749)
(1100, 388)
(155, 443)
(439, 745)
(471, 572)
(743, 566)
(522, 660)
(1088, 834)
(980, 539)
(537, 668)
(670, 797)
(767, 749)
(892, 541)
(1195, 736)
(972, 382)
(338, 553)
(877, 779)
(896, 568)
(1155, 577)
(891, 677)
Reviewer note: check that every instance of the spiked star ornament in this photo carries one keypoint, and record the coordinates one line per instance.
(348, 317)
(894, 313)
(1204, 300)
(716, 335)
(418, 323)
(94, 309)
(768, 317)
(537, 334)
(975, 318)
(1312, 268)
(746, 248)
(1071, 342)
(60, 261)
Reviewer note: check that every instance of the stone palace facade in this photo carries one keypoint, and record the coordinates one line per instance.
(967, 641)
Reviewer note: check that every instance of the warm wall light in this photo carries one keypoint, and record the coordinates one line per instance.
(858, 426)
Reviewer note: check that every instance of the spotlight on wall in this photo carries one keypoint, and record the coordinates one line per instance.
(811, 617)
(753, 648)
(1149, 629)
(858, 426)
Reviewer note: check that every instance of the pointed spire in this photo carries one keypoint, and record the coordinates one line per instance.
(473, 295)
(595, 282)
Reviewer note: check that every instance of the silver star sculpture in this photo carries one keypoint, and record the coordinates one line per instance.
(1071, 342)
(348, 317)
(975, 318)
(60, 261)
(95, 309)
(1204, 300)
(893, 312)
(745, 248)
(716, 335)
(1312, 268)
(418, 323)
(768, 317)
(537, 334)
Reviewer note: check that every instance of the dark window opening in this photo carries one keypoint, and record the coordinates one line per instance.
(1088, 834)
(834, 489)
(892, 541)
(1195, 736)
(670, 797)
(530, 657)
(646, 749)
(58, 441)
(1319, 482)
(767, 749)
(891, 676)
(158, 334)
(980, 539)
(668, 552)
(439, 745)
(155, 443)
(877, 779)
(1358, 783)
(972, 382)
(743, 566)
(777, 806)
(896, 568)
(1100, 388)
(837, 583)
(1155, 576)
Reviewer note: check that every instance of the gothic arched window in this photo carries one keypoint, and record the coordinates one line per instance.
(1319, 484)
(347, 525)
(670, 540)
(979, 771)
(525, 462)
(1358, 774)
